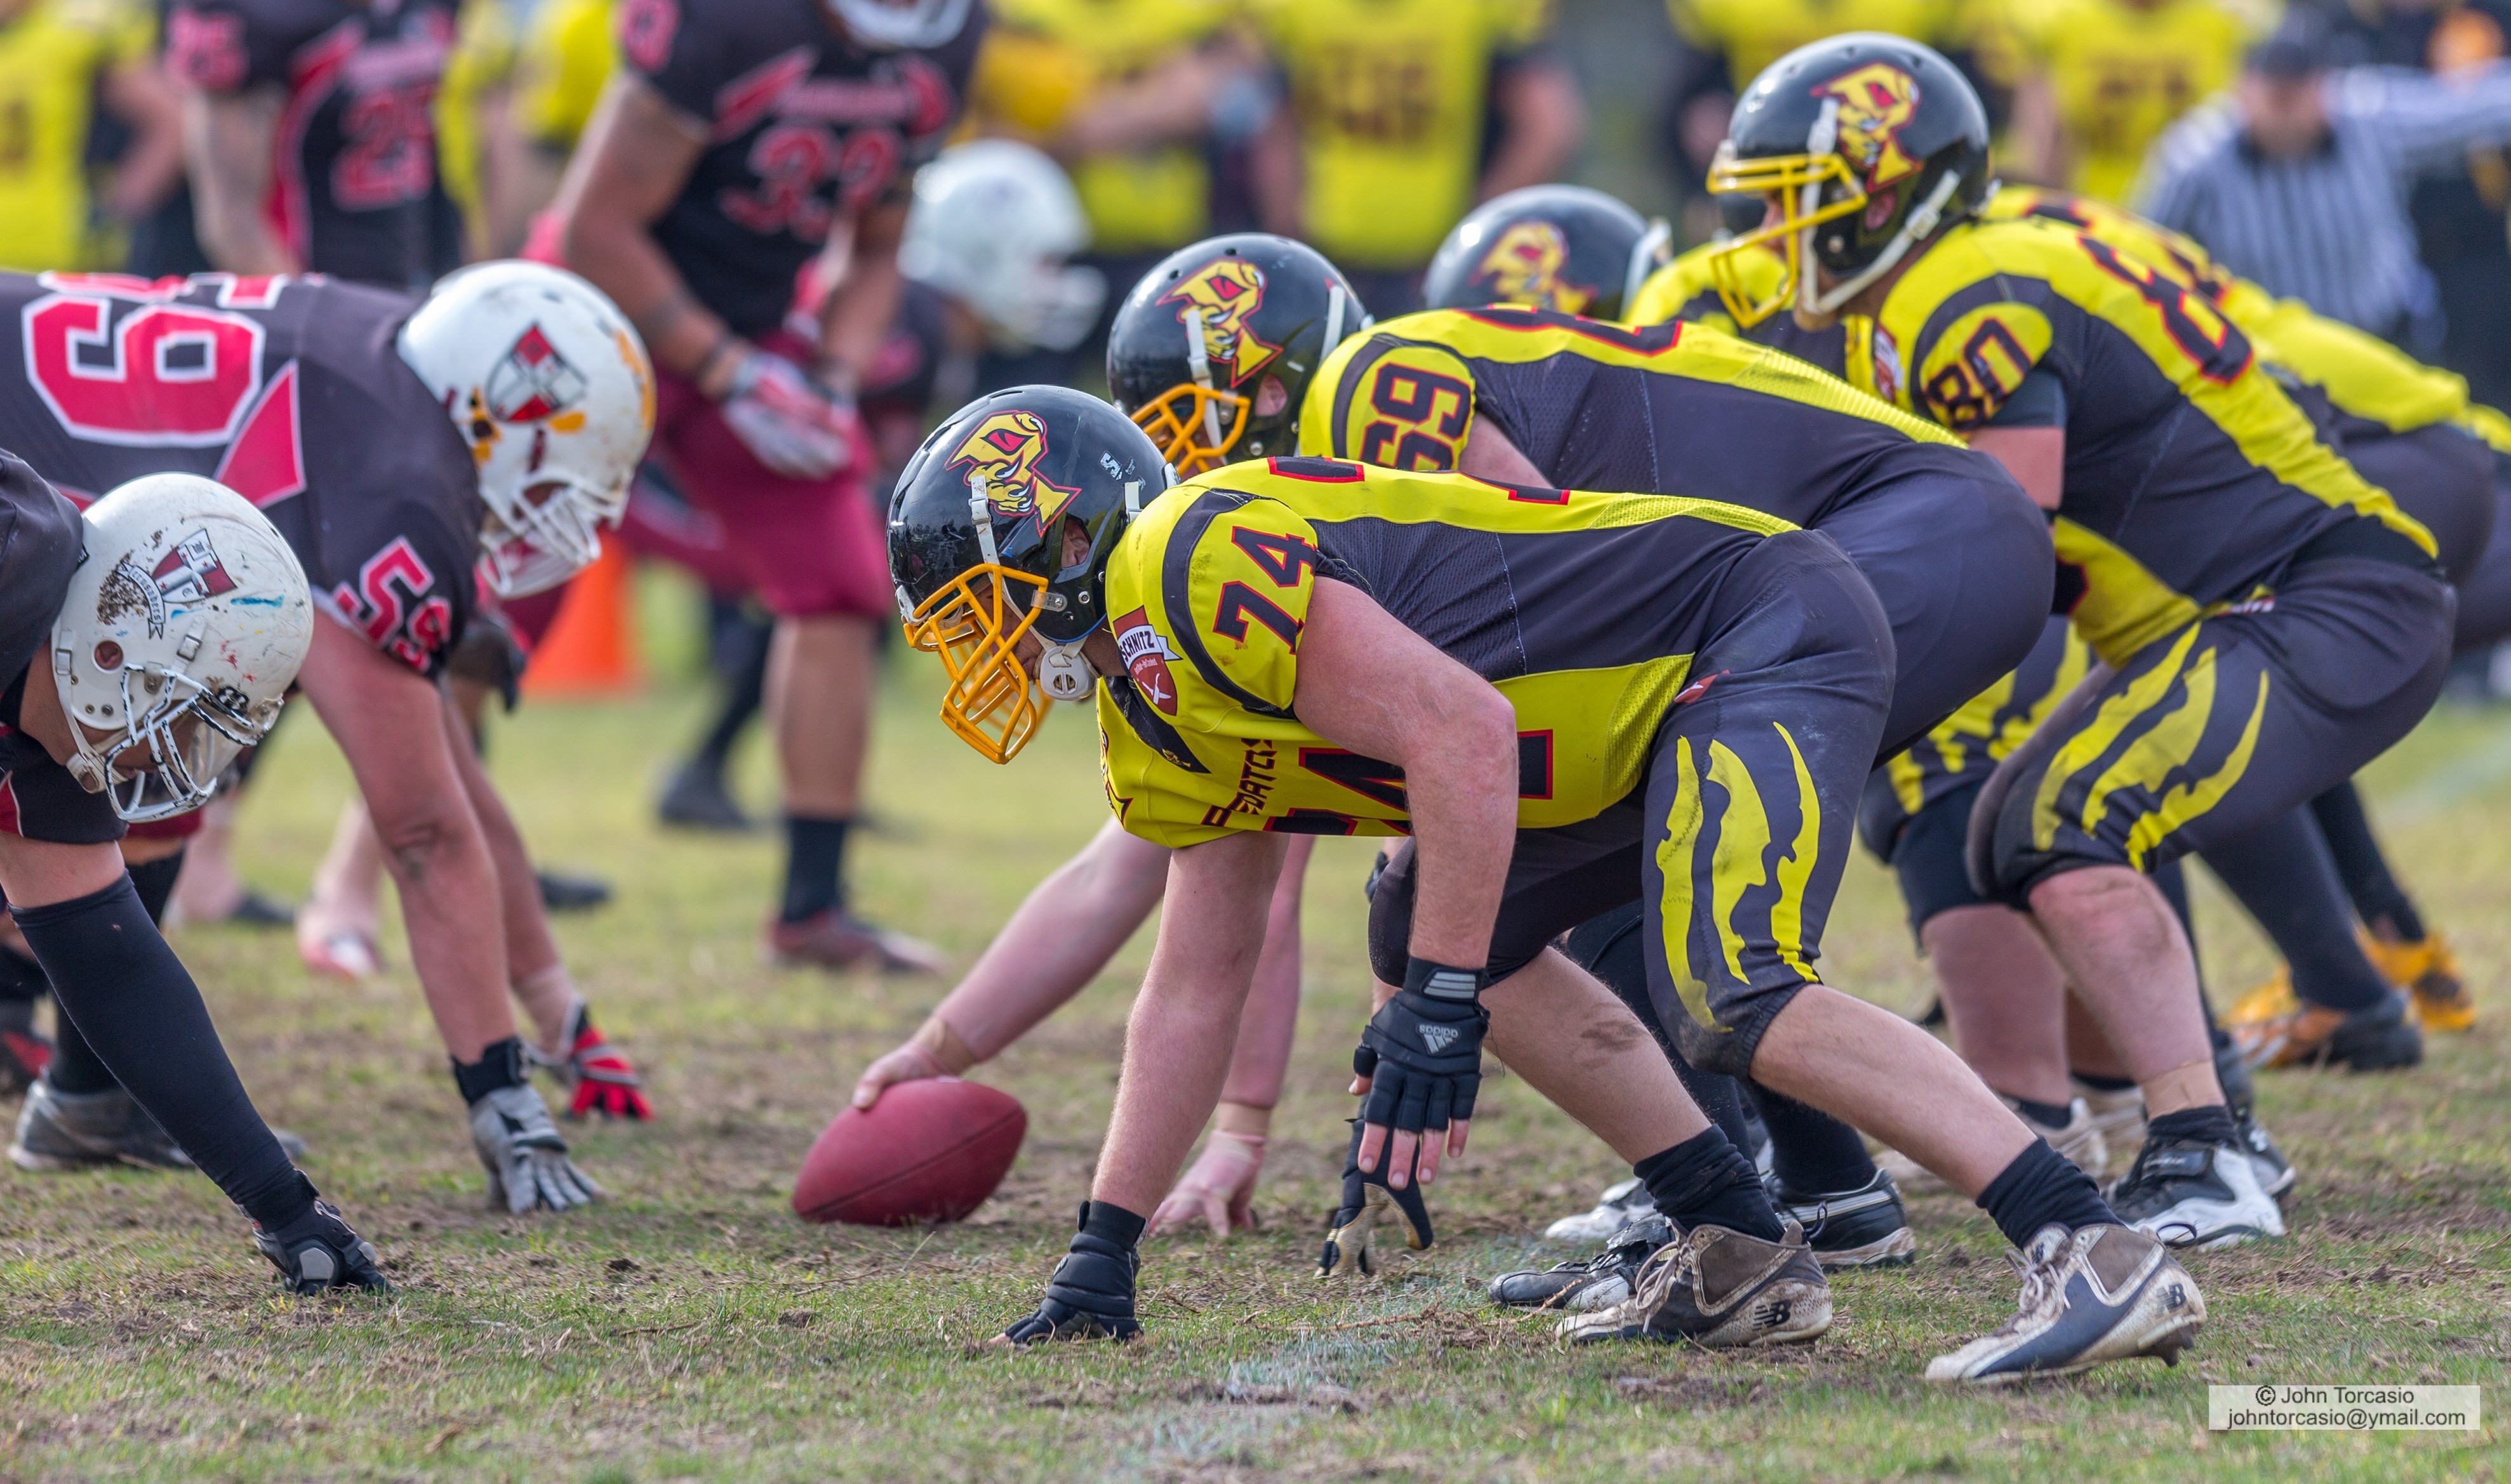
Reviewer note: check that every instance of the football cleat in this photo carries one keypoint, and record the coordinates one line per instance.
(2428, 971)
(2079, 1139)
(24, 1052)
(569, 891)
(2089, 1297)
(604, 1078)
(60, 1131)
(318, 1252)
(1368, 1200)
(2117, 1115)
(1619, 1206)
(1595, 1282)
(1721, 1289)
(2376, 1039)
(697, 798)
(1863, 1228)
(2194, 1195)
(837, 939)
(2276, 1174)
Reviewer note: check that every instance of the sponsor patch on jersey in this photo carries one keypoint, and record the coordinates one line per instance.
(1877, 102)
(1146, 655)
(1006, 448)
(1890, 374)
(1224, 292)
(534, 383)
(1523, 267)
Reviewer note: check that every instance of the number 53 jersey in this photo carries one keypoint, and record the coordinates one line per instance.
(292, 393)
(1584, 610)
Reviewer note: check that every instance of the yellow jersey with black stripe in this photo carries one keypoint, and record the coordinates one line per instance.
(2192, 477)
(1751, 34)
(2363, 375)
(1207, 594)
(1389, 95)
(1672, 409)
(568, 55)
(1684, 289)
(2121, 73)
(1045, 59)
(482, 66)
(53, 58)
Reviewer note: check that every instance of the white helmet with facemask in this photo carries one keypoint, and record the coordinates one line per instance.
(901, 25)
(551, 387)
(992, 225)
(186, 620)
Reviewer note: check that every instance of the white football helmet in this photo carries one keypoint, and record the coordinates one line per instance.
(992, 225)
(901, 25)
(549, 385)
(186, 622)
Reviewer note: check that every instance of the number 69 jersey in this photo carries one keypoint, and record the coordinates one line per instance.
(292, 393)
(1584, 610)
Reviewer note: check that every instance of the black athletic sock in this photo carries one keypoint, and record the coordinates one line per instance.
(1706, 1180)
(1610, 948)
(745, 691)
(2283, 876)
(2210, 1124)
(1812, 1153)
(2046, 1115)
(2040, 1187)
(75, 1067)
(2378, 897)
(2100, 1084)
(815, 863)
(114, 975)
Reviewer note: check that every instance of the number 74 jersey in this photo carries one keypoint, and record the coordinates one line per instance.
(292, 393)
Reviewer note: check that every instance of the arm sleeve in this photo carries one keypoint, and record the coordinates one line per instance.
(2427, 120)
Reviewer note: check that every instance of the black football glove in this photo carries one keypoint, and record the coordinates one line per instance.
(1367, 1200)
(1422, 1051)
(318, 1252)
(1091, 1296)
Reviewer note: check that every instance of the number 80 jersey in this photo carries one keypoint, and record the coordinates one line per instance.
(292, 393)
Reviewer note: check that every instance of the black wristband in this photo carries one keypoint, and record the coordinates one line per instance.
(501, 1065)
(1443, 981)
(1111, 1224)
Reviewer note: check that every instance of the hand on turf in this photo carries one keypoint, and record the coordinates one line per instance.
(1420, 1061)
(1091, 1297)
(318, 1252)
(605, 1080)
(913, 1062)
(524, 1157)
(796, 426)
(1367, 1200)
(1221, 1188)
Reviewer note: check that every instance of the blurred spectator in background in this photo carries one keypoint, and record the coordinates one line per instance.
(566, 59)
(350, 188)
(59, 61)
(2299, 181)
(1380, 150)
(1138, 99)
(2107, 77)
(477, 146)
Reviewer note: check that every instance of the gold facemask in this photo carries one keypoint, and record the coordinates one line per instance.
(1794, 183)
(975, 627)
(1193, 426)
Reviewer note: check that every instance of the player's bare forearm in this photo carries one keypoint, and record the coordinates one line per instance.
(1170, 103)
(1278, 177)
(1544, 122)
(1059, 940)
(530, 950)
(1369, 683)
(391, 723)
(1184, 1024)
(143, 98)
(227, 143)
(861, 307)
(635, 157)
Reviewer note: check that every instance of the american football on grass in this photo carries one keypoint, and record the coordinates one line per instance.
(928, 1151)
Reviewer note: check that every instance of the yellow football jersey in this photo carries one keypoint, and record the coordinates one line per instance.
(2192, 479)
(483, 63)
(53, 58)
(1389, 96)
(1209, 591)
(1044, 57)
(1751, 34)
(2122, 73)
(567, 61)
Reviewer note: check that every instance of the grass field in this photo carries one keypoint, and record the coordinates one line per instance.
(692, 1328)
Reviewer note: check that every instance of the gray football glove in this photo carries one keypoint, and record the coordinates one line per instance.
(525, 1158)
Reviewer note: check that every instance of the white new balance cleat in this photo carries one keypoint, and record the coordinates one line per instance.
(2089, 1297)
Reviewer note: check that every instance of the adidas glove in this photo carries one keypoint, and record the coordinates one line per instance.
(796, 426)
(1423, 1050)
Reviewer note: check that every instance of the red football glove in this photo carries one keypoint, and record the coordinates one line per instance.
(605, 1080)
(795, 427)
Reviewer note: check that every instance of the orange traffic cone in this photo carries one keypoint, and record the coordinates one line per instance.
(591, 647)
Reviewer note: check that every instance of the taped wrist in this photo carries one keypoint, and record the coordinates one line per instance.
(501, 1065)
(951, 1054)
(1245, 1121)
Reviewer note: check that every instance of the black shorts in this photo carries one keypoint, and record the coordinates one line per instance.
(2485, 594)
(39, 800)
(2214, 730)
(1734, 840)
(2442, 475)
(1958, 754)
(1964, 581)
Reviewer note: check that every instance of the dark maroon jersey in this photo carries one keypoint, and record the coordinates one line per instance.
(807, 130)
(291, 391)
(353, 179)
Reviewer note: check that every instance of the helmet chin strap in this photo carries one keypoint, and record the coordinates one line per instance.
(1920, 226)
(1200, 363)
(1062, 673)
(1659, 234)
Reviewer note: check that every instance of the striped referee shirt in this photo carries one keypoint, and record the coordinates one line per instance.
(2329, 228)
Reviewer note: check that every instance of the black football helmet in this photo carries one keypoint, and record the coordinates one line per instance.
(977, 548)
(1213, 350)
(1561, 247)
(1863, 145)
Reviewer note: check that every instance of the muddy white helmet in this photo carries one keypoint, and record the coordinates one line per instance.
(992, 223)
(551, 387)
(186, 622)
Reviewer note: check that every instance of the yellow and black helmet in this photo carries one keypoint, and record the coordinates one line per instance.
(1561, 247)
